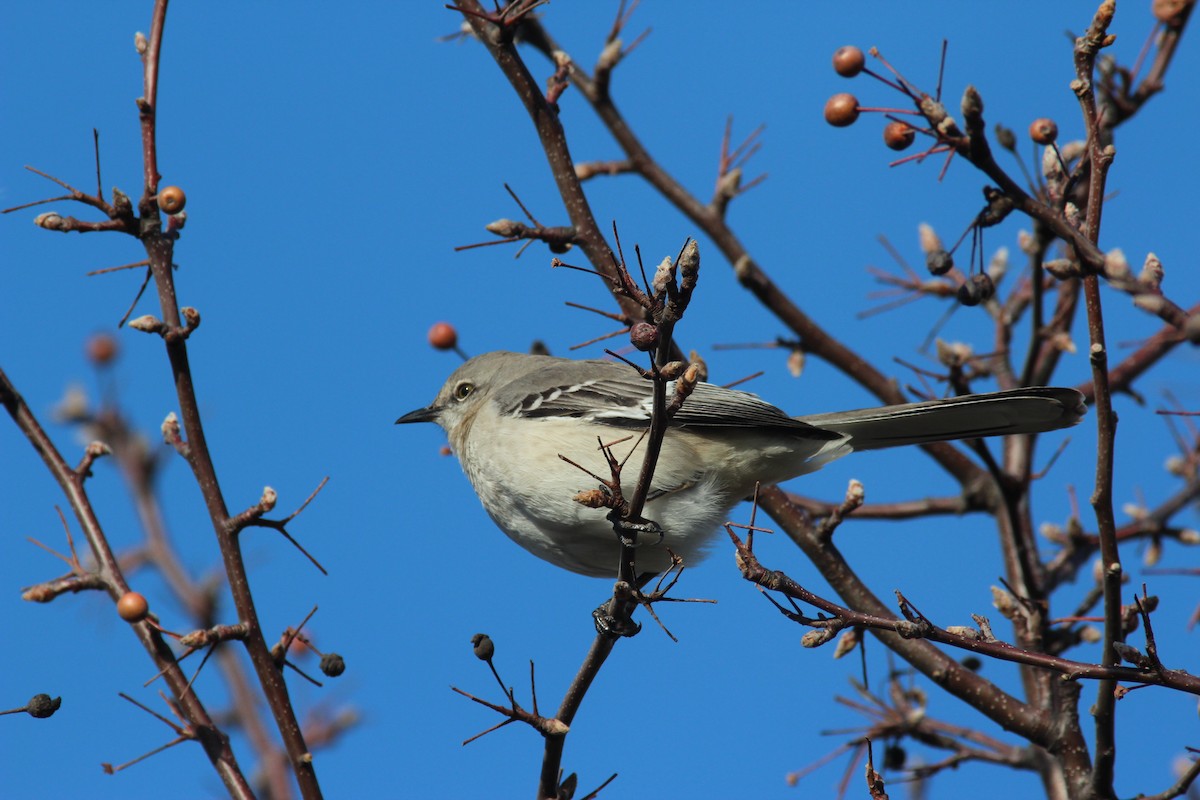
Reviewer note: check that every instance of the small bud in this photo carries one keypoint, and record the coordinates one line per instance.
(965, 631)
(1006, 138)
(1004, 602)
(333, 664)
(971, 103)
(51, 221)
(506, 228)
(664, 276)
(1116, 266)
(121, 203)
(700, 364)
(841, 110)
(1152, 303)
(729, 183)
(928, 238)
(1132, 655)
(483, 646)
(591, 498)
(1090, 634)
(998, 266)
(1063, 342)
(672, 370)
(74, 405)
(1053, 533)
(610, 55)
(1051, 166)
(1153, 553)
(1189, 536)
(268, 499)
(132, 607)
(170, 428)
(1062, 268)
(140, 44)
(191, 317)
(795, 362)
(953, 354)
(147, 324)
(1152, 272)
(817, 637)
(1027, 242)
(847, 642)
(644, 336)
(98, 449)
(41, 706)
(855, 493)
(554, 727)
(1176, 465)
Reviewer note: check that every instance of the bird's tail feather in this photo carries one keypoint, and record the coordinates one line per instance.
(1031, 410)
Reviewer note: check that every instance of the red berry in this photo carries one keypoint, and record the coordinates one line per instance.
(898, 135)
(848, 61)
(1043, 131)
(101, 349)
(841, 110)
(132, 607)
(172, 199)
(442, 336)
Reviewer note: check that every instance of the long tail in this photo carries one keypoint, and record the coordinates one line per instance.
(1033, 410)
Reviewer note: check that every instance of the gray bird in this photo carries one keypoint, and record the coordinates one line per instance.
(509, 417)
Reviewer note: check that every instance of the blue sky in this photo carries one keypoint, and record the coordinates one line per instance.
(332, 160)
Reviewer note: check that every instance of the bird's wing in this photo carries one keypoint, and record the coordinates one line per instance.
(611, 394)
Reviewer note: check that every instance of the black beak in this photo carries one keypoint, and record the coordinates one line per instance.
(427, 414)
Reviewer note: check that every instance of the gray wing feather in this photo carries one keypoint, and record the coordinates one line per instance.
(612, 394)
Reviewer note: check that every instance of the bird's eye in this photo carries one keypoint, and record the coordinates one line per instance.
(464, 389)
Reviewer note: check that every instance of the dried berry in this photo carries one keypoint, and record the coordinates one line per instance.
(171, 199)
(848, 61)
(978, 288)
(332, 664)
(101, 349)
(1043, 131)
(841, 110)
(132, 607)
(898, 135)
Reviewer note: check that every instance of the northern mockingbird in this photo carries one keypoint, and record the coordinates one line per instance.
(509, 417)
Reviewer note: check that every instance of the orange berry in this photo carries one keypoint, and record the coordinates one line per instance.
(1043, 131)
(101, 349)
(841, 110)
(132, 607)
(898, 135)
(848, 61)
(442, 336)
(171, 199)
